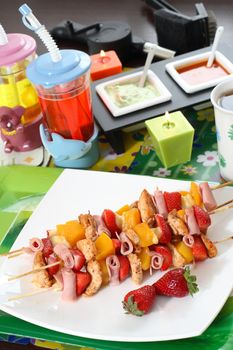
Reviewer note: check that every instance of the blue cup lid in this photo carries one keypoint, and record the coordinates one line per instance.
(43, 71)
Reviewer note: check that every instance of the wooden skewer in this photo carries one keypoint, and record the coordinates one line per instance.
(223, 204)
(223, 240)
(12, 252)
(221, 185)
(15, 255)
(29, 294)
(34, 271)
(220, 209)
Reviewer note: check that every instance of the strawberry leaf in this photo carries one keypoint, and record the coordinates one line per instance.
(131, 307)
(191, 281)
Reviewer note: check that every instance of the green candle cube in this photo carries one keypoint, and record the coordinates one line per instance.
(172, 137)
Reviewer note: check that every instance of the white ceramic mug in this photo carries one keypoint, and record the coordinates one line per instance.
(224, 129)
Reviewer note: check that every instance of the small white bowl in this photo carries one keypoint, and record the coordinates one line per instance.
(185, 62)
(102, 90)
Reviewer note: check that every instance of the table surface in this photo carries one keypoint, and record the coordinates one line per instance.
(138, 15)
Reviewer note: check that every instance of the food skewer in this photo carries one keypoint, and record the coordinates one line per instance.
(29, 294)
(222, 208)
(15, 255)
(34, 271)
(223, 240)
(221, 185)
(16, 251)
(190, 215)
(223, 204)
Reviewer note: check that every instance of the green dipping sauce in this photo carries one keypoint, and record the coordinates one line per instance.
(129, 93)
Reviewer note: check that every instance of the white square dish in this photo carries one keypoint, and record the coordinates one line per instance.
(173, 67)
(118, 105)
(102, 316)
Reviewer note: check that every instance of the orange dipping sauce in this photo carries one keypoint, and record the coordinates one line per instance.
(199, 73)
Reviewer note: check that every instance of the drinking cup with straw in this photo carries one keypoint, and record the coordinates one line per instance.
(20, 113)
(61, 78)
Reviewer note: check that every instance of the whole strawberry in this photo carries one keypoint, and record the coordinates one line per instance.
(176, 283)
(139, 301)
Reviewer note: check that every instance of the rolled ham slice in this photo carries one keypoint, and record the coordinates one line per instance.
(36, 244)
(59, 280)
(113, 267)
(63, 252)
(188, 240)
(69, 285)
(156, 262)
(126, 244)
(191, 222)
(160, 203)
(101, 227)
(207, 196)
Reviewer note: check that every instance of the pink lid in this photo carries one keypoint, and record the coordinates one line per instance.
(19, 46)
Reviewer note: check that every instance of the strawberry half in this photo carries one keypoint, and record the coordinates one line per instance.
(176, 283)
(48, 247)
(202, 218)
(79, 259)
(117, 245)
(139, 301)
(166, 254)
(109, 218)
(199, 250)
(83, 279)
(166, 232)
(124, 267)
(173, 200)
(54, 269)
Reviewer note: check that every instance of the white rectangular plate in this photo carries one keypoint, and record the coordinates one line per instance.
(188, 88)
(116, 111)
(102, 316)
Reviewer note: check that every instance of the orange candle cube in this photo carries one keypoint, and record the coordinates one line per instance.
(105, 64)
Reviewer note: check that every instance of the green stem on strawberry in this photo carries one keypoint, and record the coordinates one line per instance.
(191, 281)
(131, 307)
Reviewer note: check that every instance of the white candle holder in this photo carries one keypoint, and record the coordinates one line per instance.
(173, 67)
(152, 93)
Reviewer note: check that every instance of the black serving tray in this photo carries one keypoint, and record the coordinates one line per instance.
(112, 126)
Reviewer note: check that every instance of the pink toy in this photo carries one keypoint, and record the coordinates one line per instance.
(20, 113)
(15, 135)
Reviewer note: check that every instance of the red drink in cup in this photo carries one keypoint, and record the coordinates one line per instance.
(67, 109)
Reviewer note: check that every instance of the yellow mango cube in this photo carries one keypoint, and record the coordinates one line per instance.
(184, 193)
(185, 251)
(145, 258)
(131, 218)
(104, 270)
(123, 209)
(146, 235)
(181, 214)
(72, 230)
(187, 201)
(104, 246)
(56, 238)
(195, 193)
